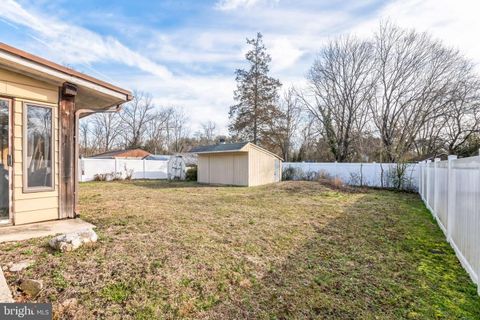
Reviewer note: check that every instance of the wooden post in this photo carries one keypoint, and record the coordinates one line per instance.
(67, 151)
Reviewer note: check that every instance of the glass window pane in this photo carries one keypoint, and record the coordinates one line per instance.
(39, 147)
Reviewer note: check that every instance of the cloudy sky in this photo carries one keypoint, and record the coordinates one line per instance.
(185, 52)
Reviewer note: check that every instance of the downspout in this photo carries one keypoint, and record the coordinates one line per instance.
(78, 113)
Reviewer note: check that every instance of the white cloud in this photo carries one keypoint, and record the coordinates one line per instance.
(456, 23)
(203, 98)
(73, 45)
(284, 54)
(226, 5)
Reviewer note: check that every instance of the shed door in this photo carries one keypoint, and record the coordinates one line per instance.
(5, 161)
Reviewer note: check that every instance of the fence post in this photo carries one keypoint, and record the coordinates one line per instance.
(478, 270)
(420, 191)
(420, 179)
(427, 194)
(116, 166)
(424, 182)
(450, 197)
(144, 169)
(435, 187)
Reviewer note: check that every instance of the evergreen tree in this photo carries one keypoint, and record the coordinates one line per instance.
(256, 95)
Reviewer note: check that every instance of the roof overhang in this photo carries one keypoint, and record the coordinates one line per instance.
(92, 93)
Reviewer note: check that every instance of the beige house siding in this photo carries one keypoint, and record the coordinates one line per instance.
(38, 206)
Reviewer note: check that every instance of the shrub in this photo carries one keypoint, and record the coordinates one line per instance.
(100, 177)
(116, 176)
(128, 174)
(322, 174)
(192, 174)
(288, 173)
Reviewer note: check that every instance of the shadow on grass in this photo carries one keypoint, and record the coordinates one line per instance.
(382, 258)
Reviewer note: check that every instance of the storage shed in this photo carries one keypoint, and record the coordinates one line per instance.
(240, 164)
(40, 105)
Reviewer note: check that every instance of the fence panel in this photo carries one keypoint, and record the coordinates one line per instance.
(451, 190)
(380, 175)
(133, 168)
(441, 193)
(156, 169)
(90, 167)
(136, 169)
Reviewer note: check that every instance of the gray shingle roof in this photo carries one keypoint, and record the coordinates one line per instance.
(222, 147)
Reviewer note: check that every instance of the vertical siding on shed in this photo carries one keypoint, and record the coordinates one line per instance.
(261, 167)
(203, 168)
(38, 206)
(223, 168)
(241, 169)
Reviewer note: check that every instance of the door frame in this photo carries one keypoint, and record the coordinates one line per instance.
(10, 153)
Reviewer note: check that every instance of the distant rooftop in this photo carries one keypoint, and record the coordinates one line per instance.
(221, 147)
(129, 153)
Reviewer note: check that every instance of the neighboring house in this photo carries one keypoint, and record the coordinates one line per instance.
(133, 154)
(241, 164)
(40, 105)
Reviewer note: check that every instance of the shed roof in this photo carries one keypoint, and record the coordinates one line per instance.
(231, 147)
(221, 147)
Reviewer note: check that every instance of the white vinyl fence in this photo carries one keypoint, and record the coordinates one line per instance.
(381, 175)
(451, 191)
(137, 169)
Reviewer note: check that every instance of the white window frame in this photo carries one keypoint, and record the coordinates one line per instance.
(26, 188)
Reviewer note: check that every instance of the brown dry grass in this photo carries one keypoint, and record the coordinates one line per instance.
(290, 250)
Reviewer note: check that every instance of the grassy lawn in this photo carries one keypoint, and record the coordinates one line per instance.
(291, 250)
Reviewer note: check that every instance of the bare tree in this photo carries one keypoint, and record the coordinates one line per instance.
(414, 76)
(106, 130)
(84, 132)
(339, 92)
(177, 131)
(156, 131)
(284, 127)
(136, 115)
(463, 115)
(208, 133)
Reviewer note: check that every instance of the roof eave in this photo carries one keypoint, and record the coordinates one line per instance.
(22, 61)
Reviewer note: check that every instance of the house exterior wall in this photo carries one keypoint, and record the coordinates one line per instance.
(41, 205)
(223, 168)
